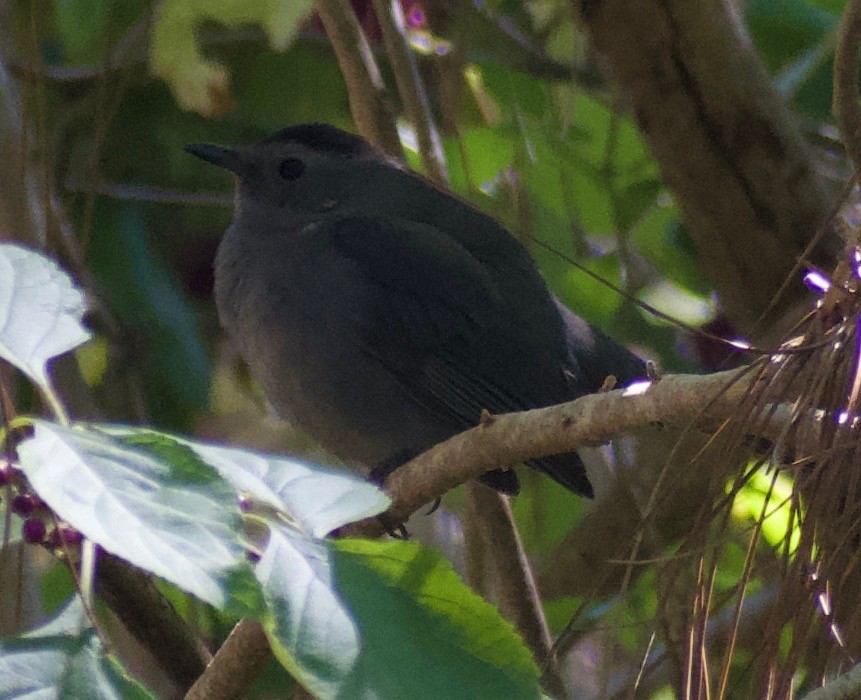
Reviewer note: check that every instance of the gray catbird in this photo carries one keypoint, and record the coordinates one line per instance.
(382, 313)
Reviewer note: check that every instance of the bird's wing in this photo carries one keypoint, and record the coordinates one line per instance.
(445, 328)
(447, 334)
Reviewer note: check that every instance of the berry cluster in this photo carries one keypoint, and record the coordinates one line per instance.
(34, 510)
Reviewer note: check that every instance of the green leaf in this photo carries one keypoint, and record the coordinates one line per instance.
(664, 242)
(198, 84)
(635, 200)
(63, 659)
(412, 610)
(357, 618)
(80, 24)
(166, 514)
(40, 311)
(545, 511)
(784, 29)
(56, 585)
(154, 312)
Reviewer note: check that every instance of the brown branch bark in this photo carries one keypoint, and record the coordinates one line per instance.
(513, 579)
(235, 666)
(134, 599)
(591, 420)
(512, 438)
(847, 107)
(726, 144)
(360, 71)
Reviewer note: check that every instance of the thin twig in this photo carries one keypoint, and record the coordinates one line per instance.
(846, 106)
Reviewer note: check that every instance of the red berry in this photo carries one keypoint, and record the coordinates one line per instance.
(23, 505)
(33, 530)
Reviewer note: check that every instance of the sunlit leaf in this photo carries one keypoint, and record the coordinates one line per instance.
(171, 515)
(316, 498)
(409, 605)
(40, 311)
(319, 499)
(311, 630)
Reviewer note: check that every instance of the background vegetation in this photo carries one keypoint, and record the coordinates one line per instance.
(684, 152)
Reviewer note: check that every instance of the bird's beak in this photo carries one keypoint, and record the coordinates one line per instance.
(217, 155)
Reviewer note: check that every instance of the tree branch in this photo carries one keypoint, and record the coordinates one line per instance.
(235, 666)
(133, 598)
(513, 579)
(732, 153)
(360, 71)
(846, 105)
(403, 63)
(509, 439)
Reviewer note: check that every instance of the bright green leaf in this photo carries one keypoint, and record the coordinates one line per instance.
(412, 610)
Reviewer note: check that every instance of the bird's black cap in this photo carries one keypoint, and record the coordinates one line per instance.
(323, 138)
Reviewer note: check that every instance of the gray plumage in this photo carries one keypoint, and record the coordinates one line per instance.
(381, 314)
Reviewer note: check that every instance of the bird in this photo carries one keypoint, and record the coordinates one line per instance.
(383, 314)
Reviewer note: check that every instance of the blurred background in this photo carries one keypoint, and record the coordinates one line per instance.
(538, 124)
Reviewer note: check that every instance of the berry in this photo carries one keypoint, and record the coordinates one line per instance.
(23, 505)
(64, 536)
(33, 530)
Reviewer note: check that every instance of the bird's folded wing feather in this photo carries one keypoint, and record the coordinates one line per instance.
(448, 336)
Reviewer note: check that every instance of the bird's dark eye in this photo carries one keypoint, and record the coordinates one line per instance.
(291, 168)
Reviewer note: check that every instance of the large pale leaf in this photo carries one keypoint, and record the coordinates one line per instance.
(153, 504)
(311, 630)
(316, 498)
(319, 499)
(40, 311)
(62, 659)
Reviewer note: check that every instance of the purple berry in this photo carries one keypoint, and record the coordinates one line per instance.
(5, 473)
(33, 530)
(64, 536)
(22, 505)
(70, 536)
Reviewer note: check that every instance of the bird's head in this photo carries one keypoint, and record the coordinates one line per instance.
(305, 168)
